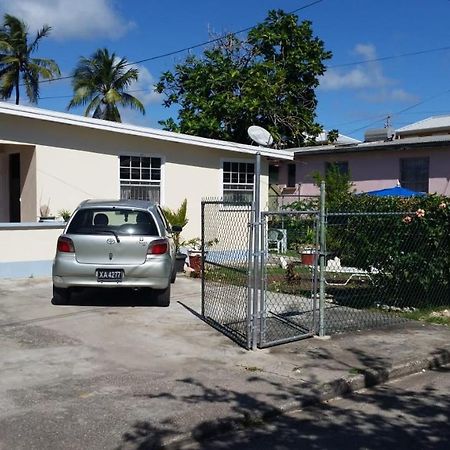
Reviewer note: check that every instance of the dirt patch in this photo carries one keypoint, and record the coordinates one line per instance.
(36, 337)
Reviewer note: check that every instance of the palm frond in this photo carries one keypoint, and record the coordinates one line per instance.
(43, 32)
(93, 105)
(132, 102)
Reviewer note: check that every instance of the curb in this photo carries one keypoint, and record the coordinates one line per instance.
(328, 391)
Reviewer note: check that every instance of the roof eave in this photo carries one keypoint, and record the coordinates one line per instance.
(150, 133)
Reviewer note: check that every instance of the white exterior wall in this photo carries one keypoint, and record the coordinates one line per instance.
(27, 250)
(85, 164)
(66, 177)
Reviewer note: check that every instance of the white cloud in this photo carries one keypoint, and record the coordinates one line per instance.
(144, 88)
(390, 95)
(83, 19)
(367, 79)
(366, 75)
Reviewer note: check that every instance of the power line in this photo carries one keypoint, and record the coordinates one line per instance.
(402, 111)
(386, 58)
(192, 47)
(54, 97)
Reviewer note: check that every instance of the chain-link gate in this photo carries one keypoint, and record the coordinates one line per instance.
(289, 294)
(227, 243)
(256, 287)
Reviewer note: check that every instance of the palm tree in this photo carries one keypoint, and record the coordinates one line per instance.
(16, 61)
(100, 82)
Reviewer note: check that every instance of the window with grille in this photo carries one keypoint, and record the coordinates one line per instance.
(140, 178)
(238, 181)
(339, 166)
(414, 173)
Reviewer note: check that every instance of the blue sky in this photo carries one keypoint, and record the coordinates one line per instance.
(351, 98)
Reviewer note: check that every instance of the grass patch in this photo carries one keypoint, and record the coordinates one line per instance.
(430, 315)
(356, 371)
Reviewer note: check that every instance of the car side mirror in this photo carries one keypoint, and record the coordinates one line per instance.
(177, 229)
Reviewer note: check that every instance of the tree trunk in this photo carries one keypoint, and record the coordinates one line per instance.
(17, 90)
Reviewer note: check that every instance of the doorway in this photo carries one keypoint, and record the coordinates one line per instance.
(14, 187)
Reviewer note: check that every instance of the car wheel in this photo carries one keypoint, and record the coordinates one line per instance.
(174, 274)
(60, 296)
(162, 296)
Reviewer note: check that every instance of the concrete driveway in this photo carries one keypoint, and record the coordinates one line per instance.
(111, 372)
(80, 376)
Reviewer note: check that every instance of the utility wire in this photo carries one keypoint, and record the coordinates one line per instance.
(386, 58)
(401, 111)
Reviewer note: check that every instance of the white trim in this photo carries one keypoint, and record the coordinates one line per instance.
(152, 133)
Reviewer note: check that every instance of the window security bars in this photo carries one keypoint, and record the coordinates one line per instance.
(140, 178)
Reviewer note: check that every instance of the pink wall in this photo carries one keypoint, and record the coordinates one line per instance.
(371, 170)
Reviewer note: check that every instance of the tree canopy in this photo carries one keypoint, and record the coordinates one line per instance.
(16, 62)
(100, 82)
(268, 79)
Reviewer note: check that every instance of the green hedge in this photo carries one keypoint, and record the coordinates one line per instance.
(407, 251)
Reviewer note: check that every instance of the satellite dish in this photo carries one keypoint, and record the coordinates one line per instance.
(260, 136)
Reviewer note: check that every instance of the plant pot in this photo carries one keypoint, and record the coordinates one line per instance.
(180, 260)
(47, 219)
(195, 261)
(308, 257)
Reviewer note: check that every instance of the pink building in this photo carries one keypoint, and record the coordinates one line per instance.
(420, 163)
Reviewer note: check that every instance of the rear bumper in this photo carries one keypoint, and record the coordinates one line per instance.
(154, 273)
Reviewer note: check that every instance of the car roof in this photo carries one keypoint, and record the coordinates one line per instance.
(138, 204)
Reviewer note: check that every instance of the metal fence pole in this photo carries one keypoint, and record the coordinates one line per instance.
(203, 258)
(257, 251)
(322, 261)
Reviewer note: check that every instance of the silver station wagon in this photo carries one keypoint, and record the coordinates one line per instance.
(110, 244)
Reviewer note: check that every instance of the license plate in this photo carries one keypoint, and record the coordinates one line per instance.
(109, 275)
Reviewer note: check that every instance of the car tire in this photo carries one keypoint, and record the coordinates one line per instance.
(174, 274)
(162, 296)
(61, 296)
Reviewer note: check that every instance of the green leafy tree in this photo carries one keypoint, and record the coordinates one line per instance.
(100, 82)
(16, 63)
(267, 79)
(338, 185)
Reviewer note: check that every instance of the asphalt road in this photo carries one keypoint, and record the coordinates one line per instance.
(411, 413)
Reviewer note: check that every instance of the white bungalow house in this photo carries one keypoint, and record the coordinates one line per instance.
(56, 160)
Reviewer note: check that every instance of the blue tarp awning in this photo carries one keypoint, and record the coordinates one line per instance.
(396, 191)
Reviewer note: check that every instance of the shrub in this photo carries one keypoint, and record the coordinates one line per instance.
(405, 245)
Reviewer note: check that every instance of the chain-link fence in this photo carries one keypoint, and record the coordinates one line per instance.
(382, 268)
(293, 274)
(289, 277)
(227, 253)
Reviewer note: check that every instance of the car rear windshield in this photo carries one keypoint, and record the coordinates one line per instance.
(123, 222)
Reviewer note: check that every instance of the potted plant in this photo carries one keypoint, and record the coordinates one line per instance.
(308, 250)
(45, 215)
(195, 252)
(178, 220)
(64, 214)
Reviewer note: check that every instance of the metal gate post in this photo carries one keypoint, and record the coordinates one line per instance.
(256, 252)
(322, 261)
(203, 257)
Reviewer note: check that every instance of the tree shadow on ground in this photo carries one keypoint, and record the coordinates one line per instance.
(387, 417)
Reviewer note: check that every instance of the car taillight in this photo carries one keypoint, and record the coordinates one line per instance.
(65, 245)
(158, 247)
